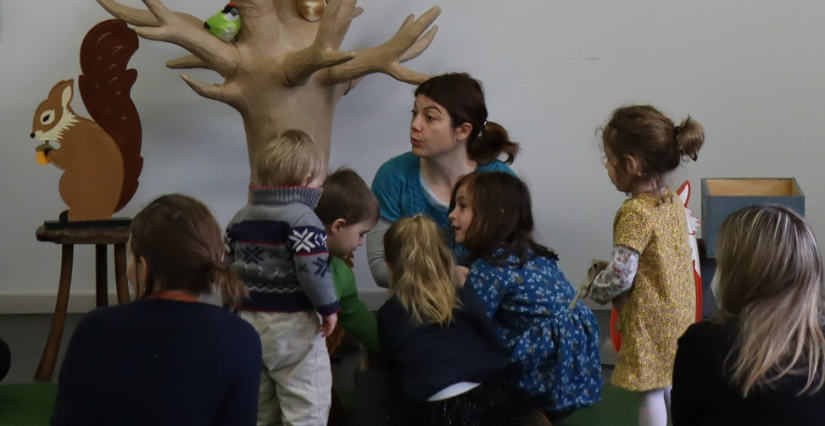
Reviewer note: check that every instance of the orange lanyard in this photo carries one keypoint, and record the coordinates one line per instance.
(178, 295)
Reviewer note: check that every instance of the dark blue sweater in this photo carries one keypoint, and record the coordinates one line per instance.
(428, 358)
(703, 393)
(160, 362)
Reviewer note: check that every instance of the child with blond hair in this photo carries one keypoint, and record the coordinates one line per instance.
(439, 342)
(278, 247)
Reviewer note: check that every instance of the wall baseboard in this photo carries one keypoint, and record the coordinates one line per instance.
(82, 302)
(43, 303)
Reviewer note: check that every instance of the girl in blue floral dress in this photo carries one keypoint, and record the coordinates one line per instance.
(526, 295)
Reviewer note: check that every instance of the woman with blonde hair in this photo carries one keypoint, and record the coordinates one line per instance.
(760, 360)
(438, 340)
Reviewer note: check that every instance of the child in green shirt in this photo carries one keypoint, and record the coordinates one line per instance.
(348, 210)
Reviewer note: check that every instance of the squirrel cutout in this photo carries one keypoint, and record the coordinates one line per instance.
(100, 157)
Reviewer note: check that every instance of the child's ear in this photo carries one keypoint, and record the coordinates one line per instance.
(337, 226)
(307, 179)
(634, 166)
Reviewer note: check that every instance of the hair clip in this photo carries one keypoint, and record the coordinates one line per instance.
(483, 125)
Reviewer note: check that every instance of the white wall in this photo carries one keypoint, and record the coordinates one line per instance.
(749, 71)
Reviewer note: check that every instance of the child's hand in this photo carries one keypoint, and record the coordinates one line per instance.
(462, 272)
(328, 324)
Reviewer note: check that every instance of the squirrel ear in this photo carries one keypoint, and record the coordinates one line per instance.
(67, 95)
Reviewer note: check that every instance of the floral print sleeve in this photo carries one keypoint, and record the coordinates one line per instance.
(618, 277)
(489, 284)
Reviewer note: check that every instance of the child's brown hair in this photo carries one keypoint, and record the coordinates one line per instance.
(642, 132)
(346, 196)
(183, 247)
(502, 218)
(288, 159)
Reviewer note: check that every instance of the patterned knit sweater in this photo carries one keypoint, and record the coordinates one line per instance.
(278, 247)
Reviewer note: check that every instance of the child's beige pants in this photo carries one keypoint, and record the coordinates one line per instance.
(296, 380)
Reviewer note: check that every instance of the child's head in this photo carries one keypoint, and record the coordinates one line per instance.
(642, 145)
(422, 271)
(771, 277)
(291, 159)
(176, 244)
(491, 210)
(461, 98)
(348, 210)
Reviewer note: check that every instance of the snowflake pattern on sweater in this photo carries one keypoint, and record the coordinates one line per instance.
(278, 247)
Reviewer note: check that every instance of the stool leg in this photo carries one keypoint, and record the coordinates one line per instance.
(101, 275)
(120, 274)
(47, 361)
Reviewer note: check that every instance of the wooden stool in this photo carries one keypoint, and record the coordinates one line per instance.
(100, 237)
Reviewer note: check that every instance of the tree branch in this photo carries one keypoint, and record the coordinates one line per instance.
(139, 17)
(386, 58)
(186, 62)
(299, 66)
(217, 92)
(420, 45)
(178, 28)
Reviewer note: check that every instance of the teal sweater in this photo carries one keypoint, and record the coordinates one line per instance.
(354, 317)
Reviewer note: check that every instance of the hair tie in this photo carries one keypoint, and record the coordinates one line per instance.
(483, 125)
(220, 266)
(676, 140)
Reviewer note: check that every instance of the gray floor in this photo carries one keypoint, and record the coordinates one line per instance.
(26, 337)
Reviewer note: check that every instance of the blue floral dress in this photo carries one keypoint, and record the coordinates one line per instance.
(555, 349)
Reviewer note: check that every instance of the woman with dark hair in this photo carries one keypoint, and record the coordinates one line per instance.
(450, 137)
(166, 359)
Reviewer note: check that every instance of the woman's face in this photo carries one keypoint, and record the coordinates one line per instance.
(431, 129)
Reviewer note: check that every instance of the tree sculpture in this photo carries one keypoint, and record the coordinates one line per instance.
(282, 70)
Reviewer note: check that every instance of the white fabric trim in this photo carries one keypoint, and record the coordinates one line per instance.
(431, 195)
(453, 390)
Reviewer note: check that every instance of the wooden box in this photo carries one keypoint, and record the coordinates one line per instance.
(723, 196)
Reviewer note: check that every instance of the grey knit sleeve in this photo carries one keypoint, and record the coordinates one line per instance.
(375, 253)
(307, 242)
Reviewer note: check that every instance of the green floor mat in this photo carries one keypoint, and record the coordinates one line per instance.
(618, 408)
(32, 405)
(27, 404)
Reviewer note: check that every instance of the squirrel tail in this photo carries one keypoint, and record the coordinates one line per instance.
(105, 85)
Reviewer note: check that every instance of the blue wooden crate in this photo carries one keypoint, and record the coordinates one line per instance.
(723, 196)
